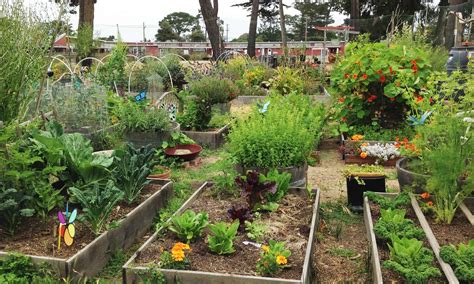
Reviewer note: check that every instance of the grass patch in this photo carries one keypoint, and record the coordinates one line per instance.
(342, 252)
(335, 211)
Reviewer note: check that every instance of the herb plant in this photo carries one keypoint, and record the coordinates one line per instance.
(97, 203)
(409, 258)
(140, 117)
(461, 259)
(254, 187)
(273, 259)
(392, 223)
(189, 225)
(221, 238)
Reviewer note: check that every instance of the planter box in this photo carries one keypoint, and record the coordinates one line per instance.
(131, 270)
(351, 159)
(447, 269)
(91, 259)
(248, 100)
(210, 139)
(155, 139)
(298, 174)
(467, 209)
(373, 249)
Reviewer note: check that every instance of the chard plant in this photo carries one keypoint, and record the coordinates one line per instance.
(97, 203)
(222, 236)
(409, 258)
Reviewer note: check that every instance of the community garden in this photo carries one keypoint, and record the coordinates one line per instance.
(164, 170)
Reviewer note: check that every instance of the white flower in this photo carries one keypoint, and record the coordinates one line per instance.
(382, 152)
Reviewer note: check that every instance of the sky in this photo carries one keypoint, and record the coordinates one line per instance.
(131, 14)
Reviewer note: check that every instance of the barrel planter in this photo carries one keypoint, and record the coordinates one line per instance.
(133, 271)
(155, 139)
(90, 260)
(298, 174)
(375, 260)
(211, 139)
(408, 179)
(357, 185)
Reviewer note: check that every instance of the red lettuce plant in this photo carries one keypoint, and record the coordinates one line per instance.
(254, 187)
(242, 213)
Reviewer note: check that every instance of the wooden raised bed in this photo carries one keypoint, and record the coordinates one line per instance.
(468, 208)
(210, 139)
(353, 159)
(373, 249)
(132, 270)
(88, 261)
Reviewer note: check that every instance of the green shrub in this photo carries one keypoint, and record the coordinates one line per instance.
(283, 136)
(286, 81)
(20, 269)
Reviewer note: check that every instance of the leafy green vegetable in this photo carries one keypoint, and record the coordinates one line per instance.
(97, 203)
(401, 200)
(282, 181)
(20, 269)
(131, 169)
(221, 238)
(13, 206)
(392, 223)
(409, 258)
(189, 225)
(461, 259)
(255, 230)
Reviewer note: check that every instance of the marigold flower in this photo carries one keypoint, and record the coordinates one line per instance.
(178, 255)
(181, 246)
(425, 195)
(429, 203)
(281, 260)
(382, 79)
(265, 248)
(341, 100)
(363, 155)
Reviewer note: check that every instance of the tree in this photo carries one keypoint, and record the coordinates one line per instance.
(196, 34)
(303, 26)
(181, 23)
(209, 13)
(242, 38)
(252, 35)
(166, 32)
(284, 44)
(451, 25)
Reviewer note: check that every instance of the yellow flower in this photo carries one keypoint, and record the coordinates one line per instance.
(181, 246)
(265, 248)
(178, 255)
(357, 137)
(281, 260)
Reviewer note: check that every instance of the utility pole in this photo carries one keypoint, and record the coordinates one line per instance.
(227, 33)
(144, 36)
(306, 31)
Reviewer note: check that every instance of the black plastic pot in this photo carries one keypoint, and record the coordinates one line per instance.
(357, 186)
(408, 179)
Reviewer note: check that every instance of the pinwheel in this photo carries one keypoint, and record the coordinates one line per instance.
(66, 228)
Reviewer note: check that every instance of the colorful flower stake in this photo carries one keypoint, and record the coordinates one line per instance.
(66, 227)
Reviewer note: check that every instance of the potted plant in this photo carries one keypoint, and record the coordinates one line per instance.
(280, 134)
(360, 179)
(160, 172)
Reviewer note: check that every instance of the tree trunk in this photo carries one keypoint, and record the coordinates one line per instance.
(355, 14)
(284, 44)
(253, 29)
(209, 14)
(86, 18)
(440, 24)
(450, 27)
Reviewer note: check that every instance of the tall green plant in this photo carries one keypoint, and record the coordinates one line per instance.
(23, 50)
(112, 74)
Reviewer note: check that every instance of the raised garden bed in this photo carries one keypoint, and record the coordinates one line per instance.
(468, 209)
(89, 254)
(155, 139)
(438, 234)
(379, 252)
(212, 139)
(355, 159)
(295, 222)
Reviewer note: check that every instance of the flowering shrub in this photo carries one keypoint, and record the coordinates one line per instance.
(273, 258)
(379, 84)
(177, 258)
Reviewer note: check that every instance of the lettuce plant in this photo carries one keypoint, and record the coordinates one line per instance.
(241, 213)
(189, 225)
(254, 187)
(221, 238)
(392, 223)
(409, 258)
(461, 259)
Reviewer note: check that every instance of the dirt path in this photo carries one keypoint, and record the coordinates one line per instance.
(341, 252)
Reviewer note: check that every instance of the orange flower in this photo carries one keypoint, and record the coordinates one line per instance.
(181, 246)
(344, 119)
(363, 155)
(346, 76)
(355, 76)
(178, 255)
(415, 69)
(379, 71)
(265, 248)
(357, 137)
(413, 62)
(281, 260)
(364, 76)
(341, 100)
(429, 203)
(419, 99)
(364, 144)
(425, 195)
(382, 79)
